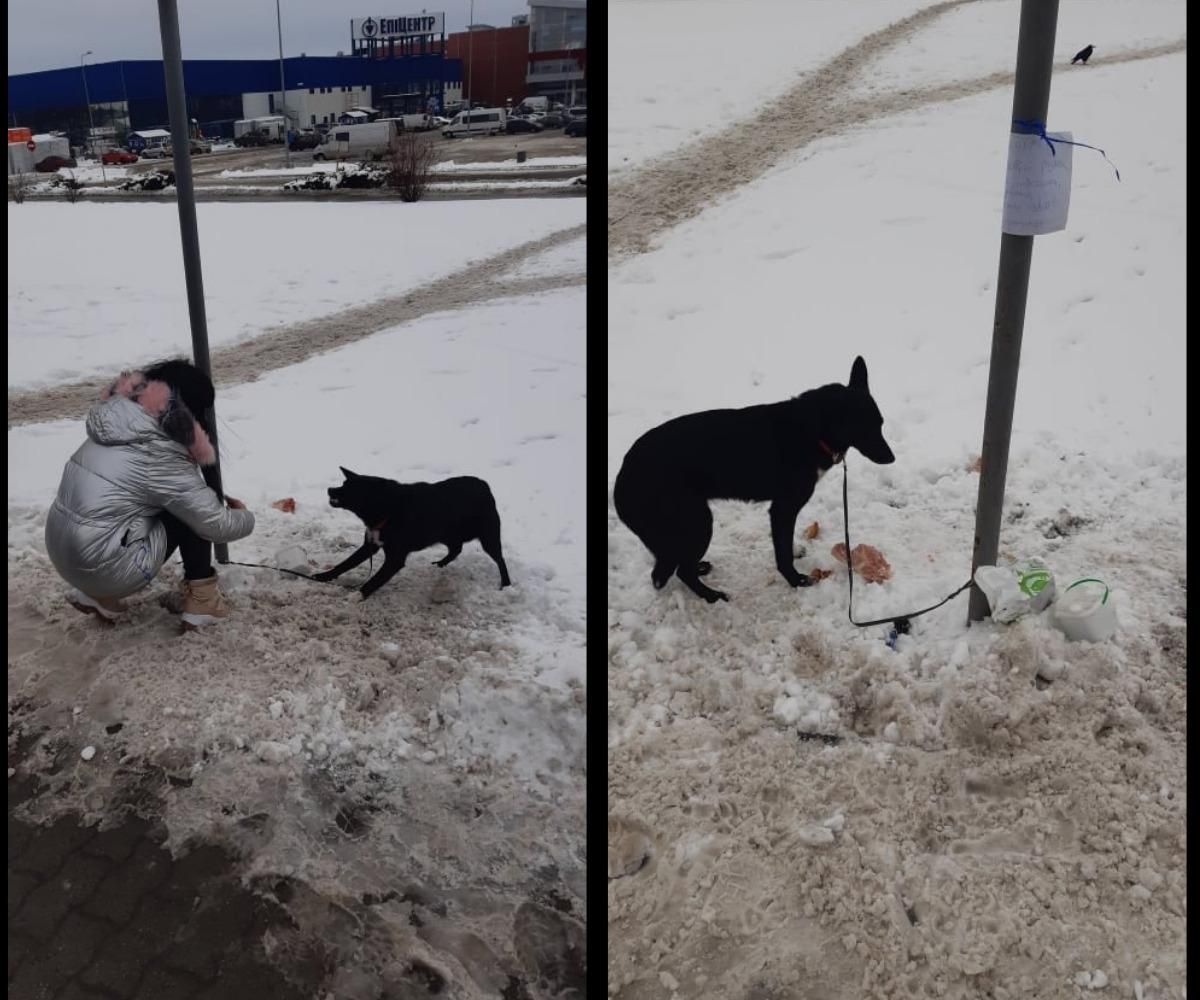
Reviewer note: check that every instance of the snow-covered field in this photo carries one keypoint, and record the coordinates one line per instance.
(998, 812)
(678, 70)
(425, 746)
(534, 164)
(104, 283)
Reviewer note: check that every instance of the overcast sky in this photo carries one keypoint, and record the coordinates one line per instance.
(45, 35)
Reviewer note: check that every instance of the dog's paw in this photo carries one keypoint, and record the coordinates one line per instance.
(716, 595)
(798, 579)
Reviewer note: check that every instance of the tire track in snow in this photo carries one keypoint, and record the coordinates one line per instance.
(247, 360)
(655, 198)
(666, 192)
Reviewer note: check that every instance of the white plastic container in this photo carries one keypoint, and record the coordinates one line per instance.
(1086, 611)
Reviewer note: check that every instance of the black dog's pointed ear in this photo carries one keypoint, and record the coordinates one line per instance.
(351, 475)
(858, 374)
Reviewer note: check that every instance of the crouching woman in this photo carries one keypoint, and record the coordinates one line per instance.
(134, 493)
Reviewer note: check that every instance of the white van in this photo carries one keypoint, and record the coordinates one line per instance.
(369, 141)
(478, 121)
(420, 122)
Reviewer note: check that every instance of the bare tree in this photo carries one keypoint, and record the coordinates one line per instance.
(18, 184)
(72, 187)
(411, 163)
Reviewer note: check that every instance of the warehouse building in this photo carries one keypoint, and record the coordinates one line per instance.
(131, 95)
(495, 62)
(558, 51)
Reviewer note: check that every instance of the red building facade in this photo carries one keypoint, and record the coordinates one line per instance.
(494, 64)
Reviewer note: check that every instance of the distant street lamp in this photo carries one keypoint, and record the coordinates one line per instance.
(88, 101)
(470, 59)
(282, 88)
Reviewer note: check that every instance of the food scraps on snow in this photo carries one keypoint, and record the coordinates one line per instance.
(287, 505)
(811, 531)
(819, 574)
(868, 562)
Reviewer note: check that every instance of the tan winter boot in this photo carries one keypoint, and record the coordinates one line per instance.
(203, 603)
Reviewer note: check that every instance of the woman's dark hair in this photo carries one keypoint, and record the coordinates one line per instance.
(191, 385)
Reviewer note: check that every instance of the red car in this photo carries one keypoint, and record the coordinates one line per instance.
(52, 164)
(118, 156)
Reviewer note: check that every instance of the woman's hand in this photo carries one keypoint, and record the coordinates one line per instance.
(234, 503)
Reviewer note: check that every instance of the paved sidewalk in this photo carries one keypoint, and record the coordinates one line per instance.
(110, 916)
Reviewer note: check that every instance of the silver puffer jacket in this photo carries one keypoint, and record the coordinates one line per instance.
(142, 456)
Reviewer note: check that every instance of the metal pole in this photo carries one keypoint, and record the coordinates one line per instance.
(168, 21)
(1031, 98)
(282, 89)
(125, 94)
(470, 59)
(88, 101)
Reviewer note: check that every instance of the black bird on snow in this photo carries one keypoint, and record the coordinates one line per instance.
(1083, 55)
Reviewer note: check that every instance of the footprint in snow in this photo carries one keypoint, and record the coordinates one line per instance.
(781, 254)
(630, 846)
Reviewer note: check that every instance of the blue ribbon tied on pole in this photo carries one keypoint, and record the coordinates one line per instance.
(1031, 126)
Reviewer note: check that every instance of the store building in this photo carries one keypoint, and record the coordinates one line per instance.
(557, 66)
(495, 62)
(131, 95)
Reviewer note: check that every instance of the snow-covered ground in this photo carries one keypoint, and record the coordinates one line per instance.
(1002, 812)
(426, 746)
(981, 38)
(533, 163)
(681, 70)
(449, 166)
(104, 283)
(565, 259)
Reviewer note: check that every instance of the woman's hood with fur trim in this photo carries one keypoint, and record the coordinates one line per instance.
(134, 409)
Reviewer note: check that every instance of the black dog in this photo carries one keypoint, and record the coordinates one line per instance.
(405, 517)
(773, 452)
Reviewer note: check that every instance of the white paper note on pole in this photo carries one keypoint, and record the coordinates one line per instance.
(1037, 187)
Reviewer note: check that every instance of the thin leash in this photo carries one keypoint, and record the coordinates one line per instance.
(278, 569)
(901, 623)
(304, 576)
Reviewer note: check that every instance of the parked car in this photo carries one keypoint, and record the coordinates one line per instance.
(551, 119)
(579, 111)
(516, 125)
(201, 146)
(437, 121)
(305, 140)
(155, 152)
(118, 156)
(53, 163)
(576, 127)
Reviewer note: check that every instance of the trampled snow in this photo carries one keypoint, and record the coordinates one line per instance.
(682, 70)
(104, 284)
(423, 748)
(1003, 827)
